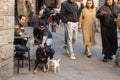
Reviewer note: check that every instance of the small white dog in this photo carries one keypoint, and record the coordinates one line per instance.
(54, 63)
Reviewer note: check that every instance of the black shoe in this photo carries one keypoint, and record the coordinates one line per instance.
(110, 58)
(105, 59)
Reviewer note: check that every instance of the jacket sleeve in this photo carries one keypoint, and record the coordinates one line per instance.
(62, 11)
(98, 14)
(81, 19)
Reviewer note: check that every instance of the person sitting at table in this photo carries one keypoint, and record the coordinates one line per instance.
(19, 30)
(42, 35)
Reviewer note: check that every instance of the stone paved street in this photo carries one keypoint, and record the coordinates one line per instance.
(82, 68)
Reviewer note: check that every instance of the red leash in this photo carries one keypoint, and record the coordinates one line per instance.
(44, 50)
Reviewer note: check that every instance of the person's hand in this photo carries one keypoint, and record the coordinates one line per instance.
(79, 30)
(60, 21)
(42, 46)
(69, 23)
(104, 12)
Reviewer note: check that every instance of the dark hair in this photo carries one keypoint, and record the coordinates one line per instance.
(21, 16)
(92, 4)
(41, 23)
(112, 3)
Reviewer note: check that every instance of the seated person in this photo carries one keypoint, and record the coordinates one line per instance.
(18, 31)
(42, 36)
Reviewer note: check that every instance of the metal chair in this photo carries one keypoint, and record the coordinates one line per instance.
(19, 55)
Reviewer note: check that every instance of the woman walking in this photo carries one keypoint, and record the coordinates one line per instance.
(87, 23)
(108, 14)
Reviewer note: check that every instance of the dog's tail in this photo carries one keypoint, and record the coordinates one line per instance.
(59, 60)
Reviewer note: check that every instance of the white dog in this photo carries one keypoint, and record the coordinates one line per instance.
(54, 63)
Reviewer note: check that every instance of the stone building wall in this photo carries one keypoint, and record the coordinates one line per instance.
(6, 38)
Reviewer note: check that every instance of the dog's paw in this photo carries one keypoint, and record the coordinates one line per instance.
(47, 69)
(34, 71)
(55, 71)
(44, 70)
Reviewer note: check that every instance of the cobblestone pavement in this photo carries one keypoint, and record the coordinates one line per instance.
(82, 68)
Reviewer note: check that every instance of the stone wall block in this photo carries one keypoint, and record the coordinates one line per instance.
(3, 40)
(1, 22)
(11, 7)
(3, 7)
(10, 36)
(8, 22)
(7, 69)
(6, 51)
(6, 37)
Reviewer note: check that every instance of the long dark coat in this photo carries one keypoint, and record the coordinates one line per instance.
(108, 29)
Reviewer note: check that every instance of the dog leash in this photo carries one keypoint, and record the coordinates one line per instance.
(44, 50)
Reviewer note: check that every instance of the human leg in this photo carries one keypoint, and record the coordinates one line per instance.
(49, 41)
(65, 33)
(88, 52)
(65, 36)
(69, 30)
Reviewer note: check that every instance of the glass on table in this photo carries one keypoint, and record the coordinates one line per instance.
(17, 28)
(22, 29)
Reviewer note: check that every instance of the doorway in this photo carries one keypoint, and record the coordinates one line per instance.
(49, 3)
(39, 3)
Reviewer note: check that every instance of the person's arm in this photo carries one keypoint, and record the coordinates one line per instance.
(43, 41)
(81, 19)
(35, 38)
(101, 12)
(35, 32)
(63, 15)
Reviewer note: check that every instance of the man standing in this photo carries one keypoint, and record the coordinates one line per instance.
(69, 15)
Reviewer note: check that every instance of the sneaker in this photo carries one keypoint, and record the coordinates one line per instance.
(89, 54)
(66, 49)
(72, 57)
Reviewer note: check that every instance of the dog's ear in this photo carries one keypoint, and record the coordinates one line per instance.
(59, 60)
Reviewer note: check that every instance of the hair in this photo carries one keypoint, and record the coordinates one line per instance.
(21, 16)
(92, 4)
(41, 23)
(112, 3)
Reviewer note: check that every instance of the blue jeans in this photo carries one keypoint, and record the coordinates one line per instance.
(71, 34)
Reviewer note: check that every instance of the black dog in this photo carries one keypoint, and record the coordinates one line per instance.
(42, 55)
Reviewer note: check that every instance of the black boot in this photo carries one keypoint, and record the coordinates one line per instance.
(105, 59)
(110, 57)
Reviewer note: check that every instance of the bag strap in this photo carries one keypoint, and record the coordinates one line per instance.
(112, 13)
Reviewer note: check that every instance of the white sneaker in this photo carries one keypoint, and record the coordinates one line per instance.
(89, 54)
(72, 57)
